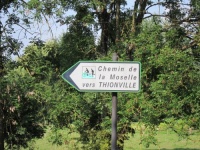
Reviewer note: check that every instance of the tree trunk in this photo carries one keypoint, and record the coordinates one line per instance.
(1, 125)
(1, 100)
(135, 10)
(104, 21)
(117, 21)
(141, 12)
(138, 14)
(1, 105)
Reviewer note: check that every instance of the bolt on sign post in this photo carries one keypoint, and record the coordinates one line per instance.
(105, 76)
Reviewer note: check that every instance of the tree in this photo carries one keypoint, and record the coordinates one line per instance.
(6, 44)
(13, 18)
(169, 94)
(22, 114)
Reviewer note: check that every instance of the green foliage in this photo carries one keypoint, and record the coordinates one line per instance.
(77, 44)
(170, 81)
(33, 4)
(196, 6)
(98, 140)
(22, 116)
(56, 137)
(148, 136)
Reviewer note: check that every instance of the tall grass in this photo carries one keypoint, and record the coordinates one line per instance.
(167, 140)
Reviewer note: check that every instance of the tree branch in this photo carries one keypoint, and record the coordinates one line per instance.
(154, 15)
(159, 3)
(25, 29)
(48, 24)
(193, 43)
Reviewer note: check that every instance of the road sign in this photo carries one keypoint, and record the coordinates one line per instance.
(107, 76)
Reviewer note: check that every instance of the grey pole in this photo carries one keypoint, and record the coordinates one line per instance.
(114, 114)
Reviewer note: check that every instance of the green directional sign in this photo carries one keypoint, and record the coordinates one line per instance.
(107, 76)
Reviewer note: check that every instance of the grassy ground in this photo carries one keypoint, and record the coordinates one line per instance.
(166, 141)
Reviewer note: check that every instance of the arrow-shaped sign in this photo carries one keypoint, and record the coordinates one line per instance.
(107, 76)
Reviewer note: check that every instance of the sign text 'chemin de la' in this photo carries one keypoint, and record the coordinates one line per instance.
(104, 76)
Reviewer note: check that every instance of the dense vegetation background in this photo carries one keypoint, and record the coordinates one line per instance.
(33, 96)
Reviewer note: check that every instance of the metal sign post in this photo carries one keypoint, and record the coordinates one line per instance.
(114, 114)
